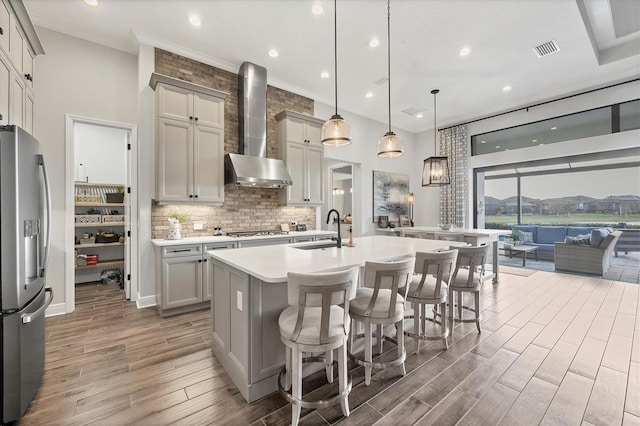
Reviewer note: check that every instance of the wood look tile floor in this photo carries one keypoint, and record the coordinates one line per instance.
(555, 349)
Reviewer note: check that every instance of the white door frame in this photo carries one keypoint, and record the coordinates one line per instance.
(70, 121)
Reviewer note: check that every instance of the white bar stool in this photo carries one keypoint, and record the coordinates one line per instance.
(314, 322)
(379, 303)
(467, 278)
(430, 287)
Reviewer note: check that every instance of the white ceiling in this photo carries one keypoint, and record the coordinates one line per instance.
(426, 37)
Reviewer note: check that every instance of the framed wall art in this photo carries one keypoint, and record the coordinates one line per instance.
(390, 195)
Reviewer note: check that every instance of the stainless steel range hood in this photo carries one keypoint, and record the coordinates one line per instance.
(252, 167)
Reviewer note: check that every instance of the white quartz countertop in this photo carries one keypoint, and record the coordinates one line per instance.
(226, 239)
(272, 263)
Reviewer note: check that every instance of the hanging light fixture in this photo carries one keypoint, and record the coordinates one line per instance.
(390, 145)
(435, 170)
(336, 131)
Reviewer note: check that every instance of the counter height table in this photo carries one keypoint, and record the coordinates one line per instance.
(249, 288)
(473, 236)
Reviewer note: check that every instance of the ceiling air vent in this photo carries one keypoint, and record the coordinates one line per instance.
(546, 48)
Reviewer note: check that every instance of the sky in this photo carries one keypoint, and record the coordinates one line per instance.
(597, 184)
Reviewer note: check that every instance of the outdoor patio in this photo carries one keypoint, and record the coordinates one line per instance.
(625, 267)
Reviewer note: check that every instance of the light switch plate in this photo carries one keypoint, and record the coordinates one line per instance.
(239, 300)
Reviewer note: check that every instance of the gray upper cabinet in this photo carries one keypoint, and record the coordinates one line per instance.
(19, 44)
(300, 147)
(189, 142)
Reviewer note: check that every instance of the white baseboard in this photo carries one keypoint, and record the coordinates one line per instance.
(146, 301)
(56, 309)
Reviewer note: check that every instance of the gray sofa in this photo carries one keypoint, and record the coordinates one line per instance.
(586, 259)
(545, 237)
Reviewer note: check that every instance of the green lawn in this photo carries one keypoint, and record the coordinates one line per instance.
(563, 219)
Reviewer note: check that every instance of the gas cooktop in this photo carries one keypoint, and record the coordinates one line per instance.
(241, 234)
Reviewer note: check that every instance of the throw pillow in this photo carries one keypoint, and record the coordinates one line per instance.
(597, 235)
(526, 237)
(578, 239)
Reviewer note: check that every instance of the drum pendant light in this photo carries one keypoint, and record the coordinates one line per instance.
(435, 170)
(336, 131)
(390, 145)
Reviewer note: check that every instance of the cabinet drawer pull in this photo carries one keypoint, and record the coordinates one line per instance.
(196, 118)
(204, 260)
(190, 195)
(195, 196)
(191, 117)
(28, 77)
(1, 31)
(180, 250)
(199, 260)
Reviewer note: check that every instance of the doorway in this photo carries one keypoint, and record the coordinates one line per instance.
(100, 174)
(343, 195)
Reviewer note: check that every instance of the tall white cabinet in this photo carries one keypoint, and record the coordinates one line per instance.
(19, 44)
(300, 147)
(189, 142)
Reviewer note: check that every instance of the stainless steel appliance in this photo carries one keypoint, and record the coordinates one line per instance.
(256, 233)
(24, 248)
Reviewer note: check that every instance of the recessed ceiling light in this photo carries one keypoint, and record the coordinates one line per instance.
(506, 89)
(497, 146)
(465, 51)
(419, 115)
(554, 128)
(541, 144)
(369, 95)
(317, 9)
(91, 2)
(374, 42)
(195, 20)
(324, 74)
(483, 141)
(534, 140)
(273, 53)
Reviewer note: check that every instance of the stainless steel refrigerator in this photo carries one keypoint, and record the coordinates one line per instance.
(24, 247)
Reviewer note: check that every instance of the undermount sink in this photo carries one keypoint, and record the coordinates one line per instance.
(319, 246)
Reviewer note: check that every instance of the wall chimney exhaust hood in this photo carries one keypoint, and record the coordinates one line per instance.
(252, 167)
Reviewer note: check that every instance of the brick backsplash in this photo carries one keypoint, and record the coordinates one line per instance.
(244, 208)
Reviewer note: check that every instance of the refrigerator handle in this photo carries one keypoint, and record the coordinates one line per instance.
(47, 192)
(27, 318)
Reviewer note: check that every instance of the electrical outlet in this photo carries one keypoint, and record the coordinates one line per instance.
(239, 300)
(198, 226)
(294, 222)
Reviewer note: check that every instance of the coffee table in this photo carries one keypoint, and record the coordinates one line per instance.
(521, 251)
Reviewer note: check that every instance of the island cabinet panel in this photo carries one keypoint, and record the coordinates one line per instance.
(230, 317)
(247, 341)
(268, 300)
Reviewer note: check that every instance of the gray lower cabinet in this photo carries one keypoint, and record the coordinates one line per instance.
(243, 243)
(182, 281)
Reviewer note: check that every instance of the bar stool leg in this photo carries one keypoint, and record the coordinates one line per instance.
(477, 294)
(452, 304)
(379, 338)
(297, 387)
(328, 359)
(460, 303)
(443, 323)
(287, 364)
(400, 340)
(367, 353)
(342, 377)
(416, 323)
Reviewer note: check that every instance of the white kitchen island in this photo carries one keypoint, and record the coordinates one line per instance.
(250, 291)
